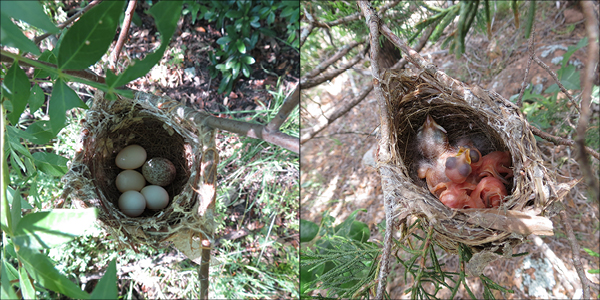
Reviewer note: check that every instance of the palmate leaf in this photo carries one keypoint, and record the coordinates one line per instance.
(89, 38)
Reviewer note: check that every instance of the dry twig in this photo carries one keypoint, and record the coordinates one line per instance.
(525, 80)
(575, 251)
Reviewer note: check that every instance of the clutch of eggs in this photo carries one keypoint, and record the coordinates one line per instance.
(136, 195)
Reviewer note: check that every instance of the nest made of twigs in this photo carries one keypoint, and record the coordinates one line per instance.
(493, 124)
(153, 123)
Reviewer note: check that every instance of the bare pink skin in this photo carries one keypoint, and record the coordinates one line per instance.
(490, 191)
(457, 196)
(496, 163)
(461, 177)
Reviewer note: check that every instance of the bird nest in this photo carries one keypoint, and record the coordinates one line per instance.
(165, 129)
(493, 124)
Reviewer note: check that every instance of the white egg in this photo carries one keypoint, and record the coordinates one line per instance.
(132, 203)
(130, 180)
(131, 157)
(156, 196)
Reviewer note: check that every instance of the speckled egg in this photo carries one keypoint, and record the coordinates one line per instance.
(159, 171)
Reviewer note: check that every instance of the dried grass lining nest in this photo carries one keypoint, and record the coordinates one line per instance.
(493, 123)
(165, 129)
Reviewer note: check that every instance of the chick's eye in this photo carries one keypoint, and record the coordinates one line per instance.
(474, 155)
(464, 170)
(451, 162)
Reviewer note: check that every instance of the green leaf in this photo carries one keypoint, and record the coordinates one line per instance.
(42, 270)
(247, 59)
(62, 99)
(107, 286)
(50, 163)
(89, 38)
(36, 98)
(308, 231)
(166, 22)
(30, 12)
(223, 40)
(14, 141)
(591, 252)
(17, 88)
(49, 57)
(11, 35)
(26, 286)
(246, 70)
(49, 229)
(6, 290)
(570, 78)
(39, 132)
(14, 197)
(240, 46)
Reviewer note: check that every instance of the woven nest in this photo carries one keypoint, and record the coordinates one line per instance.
(158, 125)
(493, 124)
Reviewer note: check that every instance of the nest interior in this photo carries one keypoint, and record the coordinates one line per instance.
(152, 123)
(149, 133)
(493, 124)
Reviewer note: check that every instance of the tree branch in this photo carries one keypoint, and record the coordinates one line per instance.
(560, 141)
(288, 106)
(114, 56)
(591, 26)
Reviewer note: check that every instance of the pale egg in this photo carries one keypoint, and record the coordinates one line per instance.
(132, 203)
(159, 171)
(130, 180)
(131, 157)
(156, 197)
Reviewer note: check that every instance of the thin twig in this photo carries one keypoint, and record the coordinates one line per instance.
(335, 114)
(307, 30)
(40, 38)
(560, 141)
(114, 56)
(328, 62)
(562, 87)
(525, 80)
(591, 25)
(575, 250)
(306, 83)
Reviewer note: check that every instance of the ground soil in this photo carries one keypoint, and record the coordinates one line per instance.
(336, 179)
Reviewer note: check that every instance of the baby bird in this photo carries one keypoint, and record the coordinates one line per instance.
(496, 163)
(431, 138)
(443, 164)
(490, 192)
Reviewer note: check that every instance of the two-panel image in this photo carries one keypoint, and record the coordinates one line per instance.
(271, 149)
